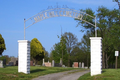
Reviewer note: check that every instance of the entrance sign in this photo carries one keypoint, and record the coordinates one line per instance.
(116, 53)
(58, 12)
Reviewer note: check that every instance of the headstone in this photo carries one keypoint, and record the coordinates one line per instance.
(47, 64)
(31, 63)
(82, 64)
(86, 67)
(75, 64)
(43, 62)
(11, 64)
(1, 64)
(13, 59)
(96, 55)
(53, 63)
(24, 56)
(58, 65)
(79, 64)
(61, 61)
(63, 65)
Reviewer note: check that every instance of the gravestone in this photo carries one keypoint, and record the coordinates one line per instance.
(58, 65)
(53, 63)
(31, 63)
(63, 65)
(79, 64)
(43, 64)
(47, 64)
(11, 64)
(14, 60)
(86, 67)
(75, 64)
(1, 64)
(82, 64)
(61, 61)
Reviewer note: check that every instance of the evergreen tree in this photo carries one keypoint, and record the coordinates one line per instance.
(2, 45)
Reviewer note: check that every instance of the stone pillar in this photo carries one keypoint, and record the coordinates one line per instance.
(96, 55)
(79, 64)
(53, 63)
(24, 56)
(43, 62)
(82, 64)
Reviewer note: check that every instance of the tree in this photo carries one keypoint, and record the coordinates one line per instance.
(86, 26)
(62, 45)
(37, 51)
(107, 22)
(117, 2)
(85, 46)
(56, 53)
(71, 41)
(2, 45)
(46, 57)
(108, 28)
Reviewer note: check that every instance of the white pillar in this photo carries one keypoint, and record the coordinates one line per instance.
(96, 55)
(24, 56)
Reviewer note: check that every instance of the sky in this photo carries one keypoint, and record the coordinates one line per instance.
(13, 13)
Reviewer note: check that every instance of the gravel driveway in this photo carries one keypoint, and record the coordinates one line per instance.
(67, 75)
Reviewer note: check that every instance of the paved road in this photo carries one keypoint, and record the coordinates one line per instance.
(67, 75)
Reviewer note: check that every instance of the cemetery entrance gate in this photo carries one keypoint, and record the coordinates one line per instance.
(95, 42)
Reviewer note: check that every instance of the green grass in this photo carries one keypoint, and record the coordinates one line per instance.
(11, 73)
(107, 74)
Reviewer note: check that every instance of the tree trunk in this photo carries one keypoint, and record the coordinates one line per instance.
(107, 58)
(69, 60)
(106, 61)
(103, 60)
(87, 60)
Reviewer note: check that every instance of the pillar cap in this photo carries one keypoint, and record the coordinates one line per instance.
(96, 38)
(23, 41)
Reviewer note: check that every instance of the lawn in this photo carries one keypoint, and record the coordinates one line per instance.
(11, 72)
(107, 74)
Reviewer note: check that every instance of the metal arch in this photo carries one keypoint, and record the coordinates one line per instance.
(58, 12)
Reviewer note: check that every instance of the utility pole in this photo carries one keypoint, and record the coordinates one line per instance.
(116, 55)
(62, 46)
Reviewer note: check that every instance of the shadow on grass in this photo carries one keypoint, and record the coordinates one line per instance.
(37, 70)
(103, 71)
